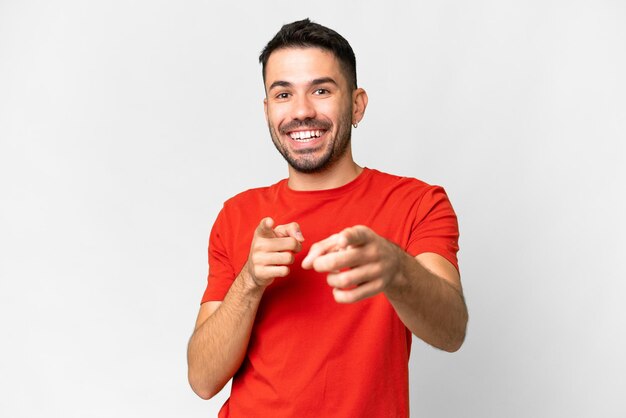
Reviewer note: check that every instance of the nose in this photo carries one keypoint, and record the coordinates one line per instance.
(303, 108)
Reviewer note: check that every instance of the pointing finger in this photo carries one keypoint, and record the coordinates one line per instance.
(265, 228)
(335, 261)
(330, 244)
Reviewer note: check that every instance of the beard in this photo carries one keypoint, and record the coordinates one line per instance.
(306, 161)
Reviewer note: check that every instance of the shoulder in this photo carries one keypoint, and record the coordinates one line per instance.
(253, 196)
(244, 210)
(409, 193)
(401, 184)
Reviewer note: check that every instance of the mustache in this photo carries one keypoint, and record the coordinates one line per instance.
(311, 124)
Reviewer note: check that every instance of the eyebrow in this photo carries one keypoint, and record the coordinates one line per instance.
(316, 82)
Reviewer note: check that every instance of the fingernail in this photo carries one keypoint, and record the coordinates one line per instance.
(299, 235)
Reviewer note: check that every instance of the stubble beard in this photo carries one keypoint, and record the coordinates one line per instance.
(304, 161)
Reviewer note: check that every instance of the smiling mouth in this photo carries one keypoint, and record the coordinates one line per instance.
(306, 136)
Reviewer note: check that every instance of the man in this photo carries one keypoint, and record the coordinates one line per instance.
(317, 282)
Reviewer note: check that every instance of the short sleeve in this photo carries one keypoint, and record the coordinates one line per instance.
(221, 273)
(435, 227)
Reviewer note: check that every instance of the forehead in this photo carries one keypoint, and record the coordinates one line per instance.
(301, 65)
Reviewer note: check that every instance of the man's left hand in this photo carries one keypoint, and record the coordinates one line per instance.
(359, 263)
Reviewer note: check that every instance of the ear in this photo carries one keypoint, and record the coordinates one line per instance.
(265, 108)
(359, 103)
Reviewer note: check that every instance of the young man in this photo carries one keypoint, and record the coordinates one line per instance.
(317, 282)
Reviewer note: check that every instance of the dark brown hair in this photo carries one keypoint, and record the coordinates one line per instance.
(306, 34)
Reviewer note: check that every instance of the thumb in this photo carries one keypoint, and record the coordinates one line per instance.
(289, 230)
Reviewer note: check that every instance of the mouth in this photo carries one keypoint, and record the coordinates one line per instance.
(306, 136)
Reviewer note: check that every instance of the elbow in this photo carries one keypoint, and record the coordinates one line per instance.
(204, 393)
(203, 388)
(456, 339)
(453, 346)
(450, 342)
(449, 339)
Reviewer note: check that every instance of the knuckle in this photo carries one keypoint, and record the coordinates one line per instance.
(377, 270)
(344, 282)
(344, 279)
(285, 258)
(317, 264)
(347, 297)
(322, 264)
(257, 272)
(374, 252)
(330, 280)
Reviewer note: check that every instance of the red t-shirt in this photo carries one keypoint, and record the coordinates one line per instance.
(309, 356)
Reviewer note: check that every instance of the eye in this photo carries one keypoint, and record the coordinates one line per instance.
(320, 91)
(282, 96)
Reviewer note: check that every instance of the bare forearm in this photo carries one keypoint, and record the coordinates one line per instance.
(219, 343)
(431, 307)
(360, 263)
(218, 346)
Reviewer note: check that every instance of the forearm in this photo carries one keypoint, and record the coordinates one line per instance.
(218, 345)
(430, 306)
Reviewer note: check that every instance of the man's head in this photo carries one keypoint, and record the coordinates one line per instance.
(307, 34)
(311, 96)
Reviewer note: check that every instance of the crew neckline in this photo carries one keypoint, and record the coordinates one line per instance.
(327, 193)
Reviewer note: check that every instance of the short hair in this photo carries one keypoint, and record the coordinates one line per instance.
(307, 34)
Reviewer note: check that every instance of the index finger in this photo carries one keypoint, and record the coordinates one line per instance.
(333, 243)
(355, 236)
(265, 228)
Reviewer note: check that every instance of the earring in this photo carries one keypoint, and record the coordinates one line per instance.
(355, 125)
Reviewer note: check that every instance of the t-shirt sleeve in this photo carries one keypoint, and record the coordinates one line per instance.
(435, 227)
(221, 273)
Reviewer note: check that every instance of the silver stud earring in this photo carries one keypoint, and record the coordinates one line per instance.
(355, 125)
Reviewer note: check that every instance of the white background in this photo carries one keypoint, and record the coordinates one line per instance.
(124, 125)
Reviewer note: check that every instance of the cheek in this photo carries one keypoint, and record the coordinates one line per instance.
(276, 116)
(327, 109)
(334, 110)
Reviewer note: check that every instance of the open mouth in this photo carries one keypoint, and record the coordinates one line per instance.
(306, 136)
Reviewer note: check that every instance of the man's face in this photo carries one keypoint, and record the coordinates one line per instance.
(308, 107)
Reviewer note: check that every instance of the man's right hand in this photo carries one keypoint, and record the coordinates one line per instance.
(272, 251)
(219, 342)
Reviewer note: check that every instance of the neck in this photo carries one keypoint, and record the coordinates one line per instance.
(341, 172)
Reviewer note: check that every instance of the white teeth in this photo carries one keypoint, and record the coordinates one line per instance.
(305, 136)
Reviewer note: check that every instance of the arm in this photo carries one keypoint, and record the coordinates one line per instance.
(425, 291)
(218, 344)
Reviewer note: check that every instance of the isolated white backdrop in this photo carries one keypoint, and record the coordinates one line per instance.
(124, 126)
